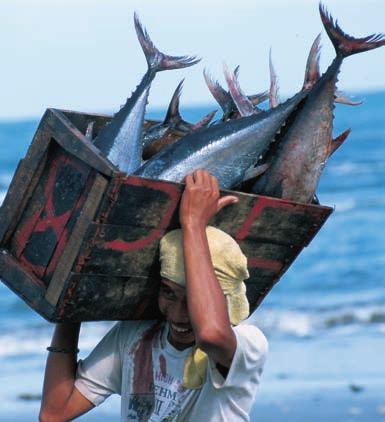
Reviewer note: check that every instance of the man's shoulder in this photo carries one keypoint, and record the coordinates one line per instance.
(250, 335)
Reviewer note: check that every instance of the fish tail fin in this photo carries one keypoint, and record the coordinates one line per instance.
(312, 73)
(156, 60)
(344, 44)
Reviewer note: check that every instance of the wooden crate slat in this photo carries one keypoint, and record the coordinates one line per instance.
(94, 297)
(24, 284)
(120, 250)
(141, 202)
(72, 248)
(73, 141)
(24, 180)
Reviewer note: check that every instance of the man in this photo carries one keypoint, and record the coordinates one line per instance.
(194, 367)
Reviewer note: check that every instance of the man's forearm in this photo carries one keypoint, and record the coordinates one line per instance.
(61, 366)
(206, 302)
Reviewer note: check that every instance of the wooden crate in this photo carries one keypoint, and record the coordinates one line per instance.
(79, 240)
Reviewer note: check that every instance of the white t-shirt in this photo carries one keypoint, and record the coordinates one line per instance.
(136, 361)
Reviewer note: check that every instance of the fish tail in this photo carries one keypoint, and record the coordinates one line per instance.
(344, 44)
(156, 60)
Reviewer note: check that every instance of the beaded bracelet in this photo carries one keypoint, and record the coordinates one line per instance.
(61, 350)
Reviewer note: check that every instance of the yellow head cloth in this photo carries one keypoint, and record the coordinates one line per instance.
(230, 266)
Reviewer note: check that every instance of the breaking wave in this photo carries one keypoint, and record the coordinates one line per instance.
(306, 324)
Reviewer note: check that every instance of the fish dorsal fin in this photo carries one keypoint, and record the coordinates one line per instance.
(273, 94)
(204, 121)
(173, 108)
(312, 72)
(337, 142)
(343, 99)
(244, 105)
(222, 97)
(259, 98)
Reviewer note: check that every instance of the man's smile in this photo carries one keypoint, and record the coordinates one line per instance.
(181, 328)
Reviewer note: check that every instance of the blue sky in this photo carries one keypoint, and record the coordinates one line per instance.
(84, 55)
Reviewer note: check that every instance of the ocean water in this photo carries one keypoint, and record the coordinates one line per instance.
(325, 319)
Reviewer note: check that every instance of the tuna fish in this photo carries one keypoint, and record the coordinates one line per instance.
(297, 160)
(172, 128)
(226, 150)
(121, 140)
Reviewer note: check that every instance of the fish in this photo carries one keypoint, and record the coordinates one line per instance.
(172, 128)
(246, 105)
(224, 99)
(227, 150)
(121, 139)
(297, 160)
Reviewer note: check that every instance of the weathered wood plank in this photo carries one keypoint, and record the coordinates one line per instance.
(74, 142)
(120, 250)
(23, 181)
(24, 284)
(92, 298)
(64, 265)
(136, 201)
(268, 219)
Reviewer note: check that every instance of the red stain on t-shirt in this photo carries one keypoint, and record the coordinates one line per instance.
(142, 362)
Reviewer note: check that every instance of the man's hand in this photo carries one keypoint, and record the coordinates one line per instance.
(201, 199)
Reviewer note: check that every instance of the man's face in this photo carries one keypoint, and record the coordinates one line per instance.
(173, 305)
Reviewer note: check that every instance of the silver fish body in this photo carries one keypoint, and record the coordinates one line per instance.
(297, 160)
(121, 140)
(226, 150)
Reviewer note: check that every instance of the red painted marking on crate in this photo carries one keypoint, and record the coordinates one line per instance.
(266, 264)
(22, 236)
(39, 223)
(122, 246)
(260, 204)
(174, 195)
(62, 241)
(36, 269)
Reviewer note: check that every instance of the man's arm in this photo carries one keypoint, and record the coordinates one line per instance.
(206, 302)
(61, 400)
